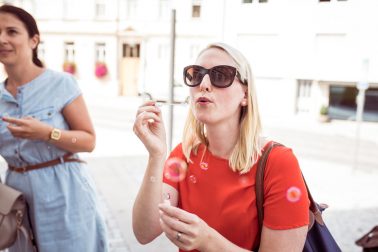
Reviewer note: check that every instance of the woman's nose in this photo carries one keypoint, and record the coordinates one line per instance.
(206, 83)
(3, 37)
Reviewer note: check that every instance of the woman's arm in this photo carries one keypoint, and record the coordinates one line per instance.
(145, 210)
(80, 138)
(290, 240)
(149, 128)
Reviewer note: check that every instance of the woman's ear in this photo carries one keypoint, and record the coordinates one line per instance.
(34, 41)
(244, 102)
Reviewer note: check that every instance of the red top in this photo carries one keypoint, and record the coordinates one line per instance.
(226, 200)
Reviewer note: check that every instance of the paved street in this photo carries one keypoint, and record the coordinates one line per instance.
(326, 152)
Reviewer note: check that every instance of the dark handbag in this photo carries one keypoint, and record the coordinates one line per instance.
(13, 210)
(369, 242)
(318, 239)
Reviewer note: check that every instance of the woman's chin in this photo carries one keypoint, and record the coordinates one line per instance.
(203, 119)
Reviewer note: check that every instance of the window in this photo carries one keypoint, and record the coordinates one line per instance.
(132, 7)
(100, 52)
(342, 103)
(164, 10)
(304, 88)
(247, 1)
(303, 95)
(72, 10)
(130, 50)
(69, 51)
(196, 11)
(100, 8)
(69, 65)
(196, 8)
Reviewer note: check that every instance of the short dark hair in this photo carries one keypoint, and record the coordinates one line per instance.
(29, 23)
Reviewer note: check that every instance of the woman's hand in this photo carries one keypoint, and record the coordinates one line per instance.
(186, 230)
(28, 128)
(149, 128)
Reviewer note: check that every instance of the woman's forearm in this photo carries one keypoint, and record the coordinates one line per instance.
(217, 242)
(74, 140)
(146, 224)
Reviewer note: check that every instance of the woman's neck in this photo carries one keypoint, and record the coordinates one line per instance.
(222, 139)
(20, 75)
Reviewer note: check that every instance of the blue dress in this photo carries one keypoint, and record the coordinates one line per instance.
(62, 201)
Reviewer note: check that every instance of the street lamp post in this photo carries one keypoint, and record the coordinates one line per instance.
(360, 100)
(171, 79)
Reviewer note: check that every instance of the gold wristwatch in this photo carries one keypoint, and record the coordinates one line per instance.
(55, 134)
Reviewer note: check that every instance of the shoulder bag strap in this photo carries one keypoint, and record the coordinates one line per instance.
(259, 184)
(259, 187)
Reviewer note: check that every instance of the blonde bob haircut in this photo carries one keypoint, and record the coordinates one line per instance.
(247, 148)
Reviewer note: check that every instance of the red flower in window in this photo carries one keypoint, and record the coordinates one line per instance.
(101, 70)
(69, 67)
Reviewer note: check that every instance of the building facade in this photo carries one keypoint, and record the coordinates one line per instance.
(305, 54)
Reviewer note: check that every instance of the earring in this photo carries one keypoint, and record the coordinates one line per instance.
(244, 103)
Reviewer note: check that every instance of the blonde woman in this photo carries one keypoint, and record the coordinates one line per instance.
(213, 208)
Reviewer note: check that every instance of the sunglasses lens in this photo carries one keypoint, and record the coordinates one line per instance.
(193, 76)
(222, 76)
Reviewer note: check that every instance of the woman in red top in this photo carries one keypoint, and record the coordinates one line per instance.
(213, 208)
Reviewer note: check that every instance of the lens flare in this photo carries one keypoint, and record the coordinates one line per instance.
(204, 166)
(193, 179)
(243, 180)
(166, 198)
(152, 179)
(293, 194)
(175, 169)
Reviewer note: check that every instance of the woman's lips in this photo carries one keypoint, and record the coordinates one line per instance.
(203, 100)
(4, 52)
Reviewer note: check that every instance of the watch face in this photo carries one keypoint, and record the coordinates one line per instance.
(55, 134)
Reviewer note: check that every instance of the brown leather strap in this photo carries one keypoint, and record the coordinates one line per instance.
(64, 159)
(259, 183)
(259, 189)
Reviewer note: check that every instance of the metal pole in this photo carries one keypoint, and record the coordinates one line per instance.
(171, 79)
(118, 52)
(359, 114)
(360, 99)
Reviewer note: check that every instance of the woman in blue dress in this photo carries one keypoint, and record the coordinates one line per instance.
(44, 123)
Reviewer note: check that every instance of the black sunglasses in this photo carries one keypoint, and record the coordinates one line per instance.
(221, 76)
